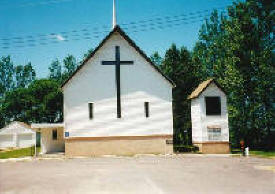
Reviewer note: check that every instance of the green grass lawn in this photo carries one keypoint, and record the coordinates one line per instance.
(18, 153)
(265, 154)
(260, 153)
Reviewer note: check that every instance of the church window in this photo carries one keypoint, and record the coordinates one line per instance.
(213, 105)
(146, 109)
(91, 114)
(214, 134)
(54, 134)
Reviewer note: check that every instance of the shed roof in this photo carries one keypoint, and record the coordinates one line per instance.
(46, 125)
(117, 29)
(201, 87)
(16, 127)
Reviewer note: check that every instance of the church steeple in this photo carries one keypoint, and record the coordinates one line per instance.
(114, 13)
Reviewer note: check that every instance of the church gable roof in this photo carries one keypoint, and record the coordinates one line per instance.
(131, 42)
(202, 86)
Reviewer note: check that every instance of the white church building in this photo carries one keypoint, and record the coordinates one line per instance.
(209, 116)
(117, 102)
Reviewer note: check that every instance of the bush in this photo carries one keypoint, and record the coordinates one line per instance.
(185, 148)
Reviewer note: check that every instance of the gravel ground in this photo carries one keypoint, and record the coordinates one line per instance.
(143, 174)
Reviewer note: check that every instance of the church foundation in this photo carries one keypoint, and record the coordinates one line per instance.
(213, 147)
(118, 145)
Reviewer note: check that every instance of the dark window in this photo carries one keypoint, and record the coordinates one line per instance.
(91, 115)
(213, 105)
(146, 109)
(54, 134)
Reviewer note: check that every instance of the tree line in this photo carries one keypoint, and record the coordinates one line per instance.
(236, 48)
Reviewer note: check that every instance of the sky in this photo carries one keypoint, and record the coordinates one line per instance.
(40, 31)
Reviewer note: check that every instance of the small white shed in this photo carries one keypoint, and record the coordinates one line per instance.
(17, 134)
(52, 137)
(209, 116)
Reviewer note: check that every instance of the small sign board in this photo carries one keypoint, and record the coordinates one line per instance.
(169, 141)
(66, 134)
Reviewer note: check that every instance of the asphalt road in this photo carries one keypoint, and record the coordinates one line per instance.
(144, 174)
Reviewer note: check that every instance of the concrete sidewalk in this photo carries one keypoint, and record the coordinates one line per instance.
(61, 155)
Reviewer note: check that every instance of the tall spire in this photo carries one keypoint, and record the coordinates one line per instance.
(114, 13)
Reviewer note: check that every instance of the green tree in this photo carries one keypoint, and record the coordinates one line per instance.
(47, 101)
(177, 65)
(55, 71)
(70, 66)
(41, 101)
(24, 75)
(156, 58)
(16, 105)
(6, 75)
(88, 53)
(237, 51)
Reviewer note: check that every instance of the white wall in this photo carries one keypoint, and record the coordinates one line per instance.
(196, 120)
(49, 145)
(200, 120)
(17, 135)
(6, 140)
(26, 140)
(96, 83)
(20, 140)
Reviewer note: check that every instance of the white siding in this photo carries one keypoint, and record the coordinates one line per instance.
(139, 83)
(17, 135)
(6, 140)
(196, 120)
(200, 120)
(49, 145)
(25, 140)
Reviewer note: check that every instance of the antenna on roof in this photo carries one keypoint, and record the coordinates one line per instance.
(114, 13)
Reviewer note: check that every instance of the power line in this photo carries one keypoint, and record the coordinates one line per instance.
(32, 4)
(156, 27)
(176, 16)
(97, 29)
(44, 3)
(87, 35)
(142, 25)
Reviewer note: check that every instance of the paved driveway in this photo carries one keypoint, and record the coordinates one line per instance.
(144, 174)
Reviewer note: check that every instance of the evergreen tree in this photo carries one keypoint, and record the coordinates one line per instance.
(55, 71)
(24, 75)
(6, 75)
(237, 51)
(178, 66)
(41, 101)
(70, 66)
(156, 58)
(88, 53)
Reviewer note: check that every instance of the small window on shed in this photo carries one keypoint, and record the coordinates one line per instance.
(54, 134)
(213, 105)
(91, 113)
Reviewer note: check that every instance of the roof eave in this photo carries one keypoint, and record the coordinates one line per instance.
(190, 97)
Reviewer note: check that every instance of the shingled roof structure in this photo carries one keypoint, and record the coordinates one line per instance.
(196, 93)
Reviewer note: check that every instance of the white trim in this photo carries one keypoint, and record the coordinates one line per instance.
(47, 125)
